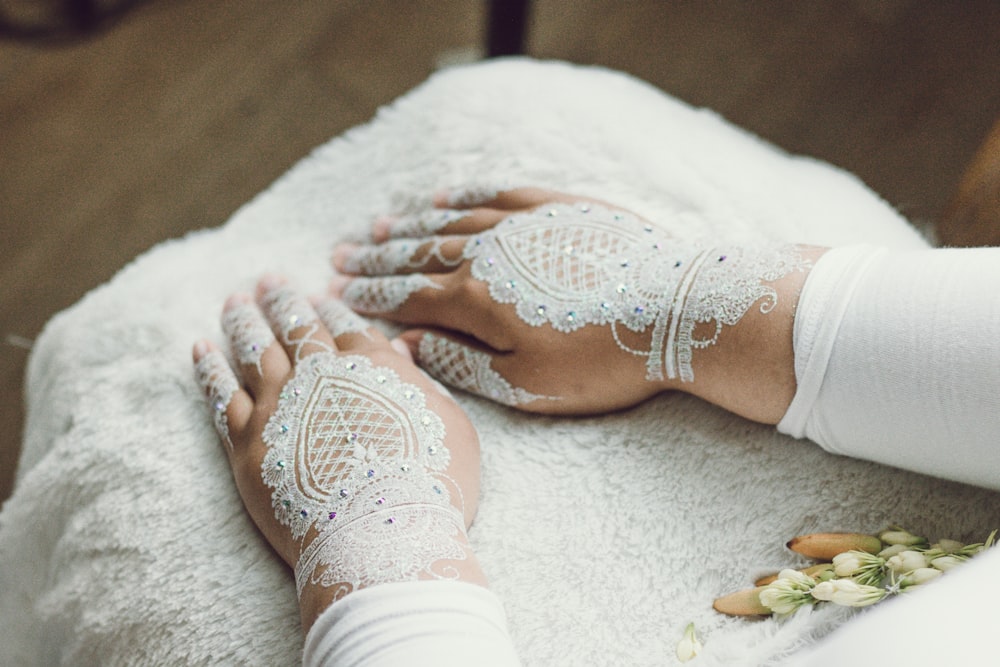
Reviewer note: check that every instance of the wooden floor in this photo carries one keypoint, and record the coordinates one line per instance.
(172, 118)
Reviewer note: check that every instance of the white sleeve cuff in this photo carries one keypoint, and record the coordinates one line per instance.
(432, 623)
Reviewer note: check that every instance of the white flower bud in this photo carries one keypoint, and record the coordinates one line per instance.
(892, 550)
(945, 563)
(788, 592)
(948, 546)
(907, 561)
(689, 646)
(901, 537)
(847, 592)
(846, 564)
(797, 577)
(920, 576)
(824, 590)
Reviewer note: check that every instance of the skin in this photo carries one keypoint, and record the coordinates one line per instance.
(750, 371)
(253, 404)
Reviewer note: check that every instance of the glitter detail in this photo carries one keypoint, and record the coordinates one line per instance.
(216, 379)
(598, 287)
(248, 333)
(288, 311)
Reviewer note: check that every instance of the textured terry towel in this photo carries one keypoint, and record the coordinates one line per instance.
(125, 542)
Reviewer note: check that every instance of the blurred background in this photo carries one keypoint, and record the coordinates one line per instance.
(125, 123)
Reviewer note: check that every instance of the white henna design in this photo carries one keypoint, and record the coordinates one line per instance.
(356, 464)
(569, 266)
(249, 335)
(385, 294)
(425, 223)
(392, 256)
(216, 379)
(290, 311)
(468, 369)
(340, 320)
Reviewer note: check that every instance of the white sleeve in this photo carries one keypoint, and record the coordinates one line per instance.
(897, 360)
(416, 623)
(950, 621)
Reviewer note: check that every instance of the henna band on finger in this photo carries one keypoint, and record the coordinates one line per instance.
(385, 294)
(248, 333)
(469, 370)
(216, 379)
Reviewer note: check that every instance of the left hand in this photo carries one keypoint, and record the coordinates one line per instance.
(533, 333)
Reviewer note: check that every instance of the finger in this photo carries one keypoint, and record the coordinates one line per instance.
(502, 199)
(467, 366)
(350, 332)
(437, 221)
(257, 352)
(398, 256)
(231, 406)
(446, 301)
(385, 296)
(293, 319)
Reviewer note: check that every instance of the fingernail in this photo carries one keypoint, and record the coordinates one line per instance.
(338, 284)
(238, 299)
(382, 227)
(269, 282)
(200, 350)
(441, 198)
(342, 256)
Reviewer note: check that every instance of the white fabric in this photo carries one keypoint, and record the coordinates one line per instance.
(125, 543)
(941, 625)
(417, 624)
(897, 360)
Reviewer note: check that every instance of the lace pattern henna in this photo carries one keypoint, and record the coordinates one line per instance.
(425, 223)
(573, 265)
(248, 333)
(340, 320)
(386, 294)
(289, 311)
(216, 379)
(468, 369)
(356, 465)
(392, 256)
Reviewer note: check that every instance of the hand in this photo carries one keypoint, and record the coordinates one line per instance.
(560, 304)
(355, 466)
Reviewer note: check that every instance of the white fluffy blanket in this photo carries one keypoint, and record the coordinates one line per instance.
(125, 542)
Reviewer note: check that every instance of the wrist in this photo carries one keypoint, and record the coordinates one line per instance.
(315, 598)
(750, 370)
